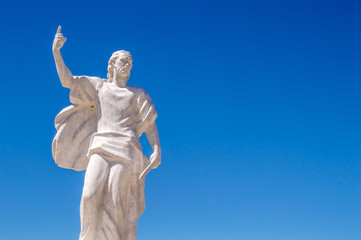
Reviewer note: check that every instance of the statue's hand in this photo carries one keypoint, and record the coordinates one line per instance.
(154, 162)
(155, 159)
(59, 40)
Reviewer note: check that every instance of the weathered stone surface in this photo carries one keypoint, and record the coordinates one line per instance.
(100, 133)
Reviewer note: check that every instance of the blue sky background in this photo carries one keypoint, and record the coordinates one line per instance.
(259, 115)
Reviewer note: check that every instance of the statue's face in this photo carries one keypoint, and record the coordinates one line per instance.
(122, 65)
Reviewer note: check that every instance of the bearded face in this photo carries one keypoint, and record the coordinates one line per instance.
(119, 66)
(122, 66)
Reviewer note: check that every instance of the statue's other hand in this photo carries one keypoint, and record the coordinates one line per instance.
(59, 40)
(155, 159)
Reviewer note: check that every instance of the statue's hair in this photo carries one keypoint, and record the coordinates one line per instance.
(112, 60)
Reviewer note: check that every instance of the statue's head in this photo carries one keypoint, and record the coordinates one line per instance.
(119, 66)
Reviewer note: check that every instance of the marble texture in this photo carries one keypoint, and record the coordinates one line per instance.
(100, 133)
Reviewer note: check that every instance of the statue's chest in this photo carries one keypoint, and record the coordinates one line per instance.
(115, 98)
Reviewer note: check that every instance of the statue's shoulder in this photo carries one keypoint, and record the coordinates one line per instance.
(137, 90)
(95, 81)
(89, 78)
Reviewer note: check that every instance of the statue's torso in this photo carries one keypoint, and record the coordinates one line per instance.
(116, 109)
(121, 115)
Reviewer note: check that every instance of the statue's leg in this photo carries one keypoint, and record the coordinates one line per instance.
(132, 210)
(120, 188)
(95, 178)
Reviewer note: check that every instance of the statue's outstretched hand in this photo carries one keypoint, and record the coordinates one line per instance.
(59, 40)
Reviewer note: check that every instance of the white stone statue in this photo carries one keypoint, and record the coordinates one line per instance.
(100, 133)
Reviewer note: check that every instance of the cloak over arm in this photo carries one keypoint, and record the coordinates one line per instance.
(76, 124)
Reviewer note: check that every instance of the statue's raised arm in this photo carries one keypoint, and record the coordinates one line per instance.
(66, 78)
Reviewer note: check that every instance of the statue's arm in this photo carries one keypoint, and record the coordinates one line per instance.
(66, 77)
(153, 138)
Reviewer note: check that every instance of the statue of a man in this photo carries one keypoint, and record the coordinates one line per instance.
(100, 133)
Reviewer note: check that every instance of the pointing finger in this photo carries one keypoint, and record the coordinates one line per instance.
(59, 29)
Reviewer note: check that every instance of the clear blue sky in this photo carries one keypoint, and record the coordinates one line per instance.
(259, 115)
